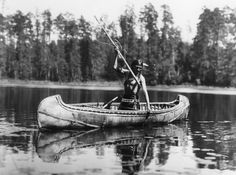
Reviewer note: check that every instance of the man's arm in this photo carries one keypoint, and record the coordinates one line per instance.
(117, 67)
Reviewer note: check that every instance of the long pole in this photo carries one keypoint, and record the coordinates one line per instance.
(119, 53)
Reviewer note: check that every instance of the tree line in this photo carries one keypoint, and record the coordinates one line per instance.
(66, 49)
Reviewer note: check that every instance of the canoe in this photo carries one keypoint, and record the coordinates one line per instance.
(54, 113)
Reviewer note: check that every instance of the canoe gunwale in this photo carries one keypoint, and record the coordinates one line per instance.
(83, 108)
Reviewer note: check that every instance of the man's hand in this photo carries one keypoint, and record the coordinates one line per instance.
(148, 107)
(116, 49)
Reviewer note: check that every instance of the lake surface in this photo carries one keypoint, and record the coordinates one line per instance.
(204, 144)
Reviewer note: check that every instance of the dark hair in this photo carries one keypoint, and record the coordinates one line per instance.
(137, 63)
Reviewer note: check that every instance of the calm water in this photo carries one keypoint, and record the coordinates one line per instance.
(205, 144)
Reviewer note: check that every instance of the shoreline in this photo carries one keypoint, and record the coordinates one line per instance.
(114, 85)
(59, 85)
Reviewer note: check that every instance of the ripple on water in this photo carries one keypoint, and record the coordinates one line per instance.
(209, 140)
(206, 150)
(215, 154)
(210, 158)
(8, 129)
(206, 122)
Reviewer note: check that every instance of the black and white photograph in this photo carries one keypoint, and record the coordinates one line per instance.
(117, 87)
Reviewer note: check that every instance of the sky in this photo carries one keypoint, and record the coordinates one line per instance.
(185, 12)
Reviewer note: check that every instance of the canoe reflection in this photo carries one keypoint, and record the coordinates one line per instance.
(135, 156)
(134, 147)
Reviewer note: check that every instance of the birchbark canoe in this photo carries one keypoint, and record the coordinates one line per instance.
(54, 113)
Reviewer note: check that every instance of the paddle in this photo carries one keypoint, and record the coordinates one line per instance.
(119, 53)
(107, 105)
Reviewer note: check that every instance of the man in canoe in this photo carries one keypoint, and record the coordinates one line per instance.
(132, 85)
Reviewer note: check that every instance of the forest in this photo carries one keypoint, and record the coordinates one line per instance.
(67, 49)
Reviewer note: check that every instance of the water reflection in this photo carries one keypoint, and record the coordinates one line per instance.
(134, 147)
(135, 154)
(214, 143)
(212, 107)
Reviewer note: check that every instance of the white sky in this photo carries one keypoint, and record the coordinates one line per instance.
(185, 12)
